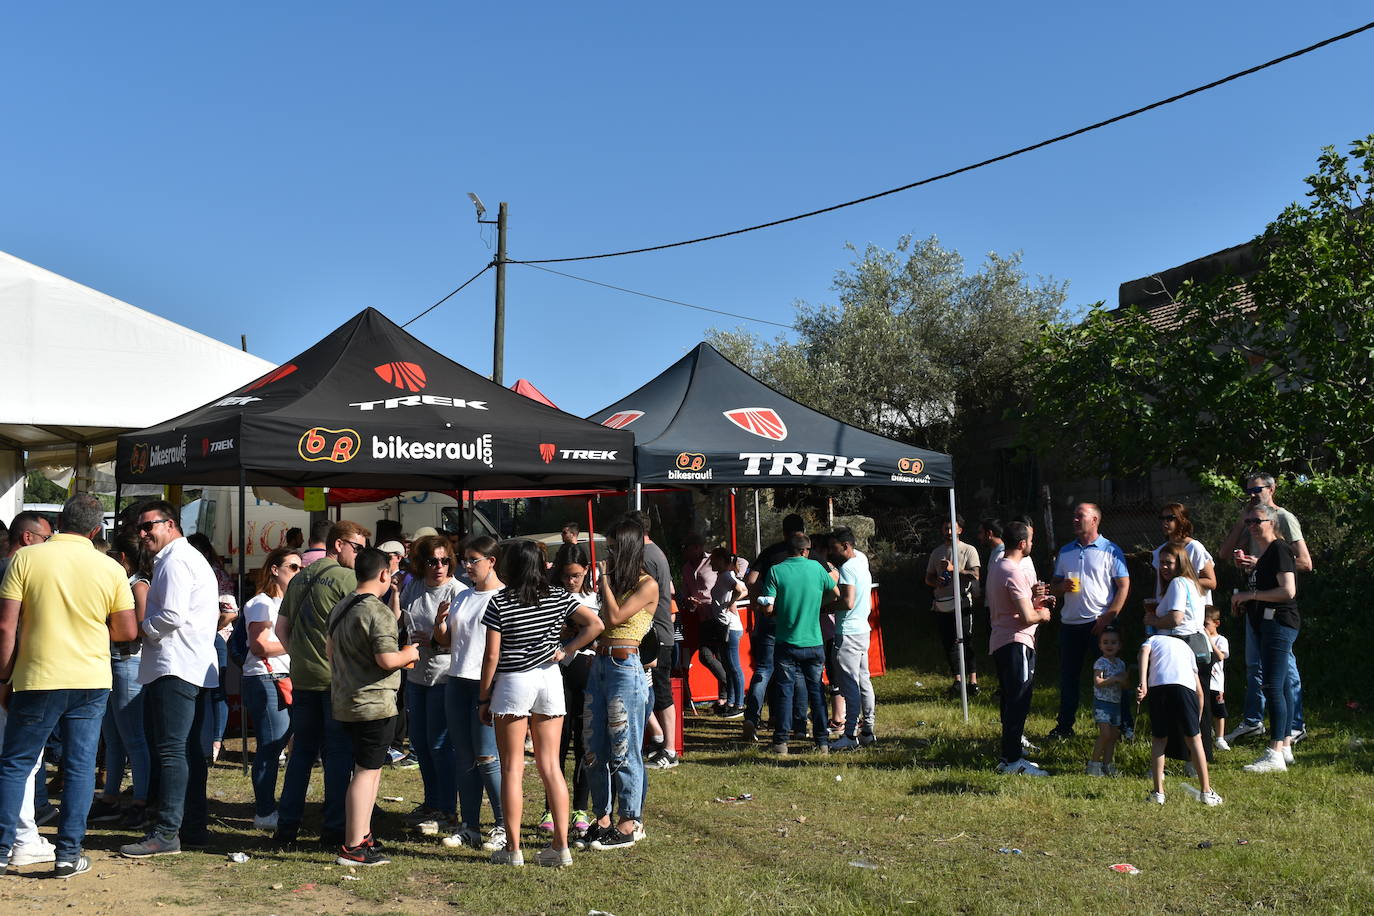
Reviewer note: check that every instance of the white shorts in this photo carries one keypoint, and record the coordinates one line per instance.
(520, 693)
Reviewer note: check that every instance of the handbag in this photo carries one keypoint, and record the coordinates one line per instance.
(282, 683)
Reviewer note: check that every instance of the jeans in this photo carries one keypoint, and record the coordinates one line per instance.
(851, 669)
(1016, 672)
(763, 646)
(734, 674)
(1280, 688)
(429, 740)
(1075, 640)
(1254, 685)
(272, 727)
(32, 716)
(317, 734)
(476, 765)
(176, 726)
(617, 703)
(123, 731)
(26, 837)
(800, 669)
(216, 705)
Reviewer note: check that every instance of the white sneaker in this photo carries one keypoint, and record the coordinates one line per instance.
(1022, 767)
(33, 853)
(428, 827)
(265, 823)
(1156, 797)
(553, 858)
(1210, 799)
(1271, 762)
(1220, 744)
(1094, 768)
(1243, 731)
(508, 857)
(464, 836)
(1288, 755)
(496, 839)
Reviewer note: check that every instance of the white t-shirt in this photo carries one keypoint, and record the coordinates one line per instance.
(1219, 666)
(1197, 555)
(262, 609)
(1182, 595)
(1171, 662)
(468, 638)
(855, 572)
(723, 600)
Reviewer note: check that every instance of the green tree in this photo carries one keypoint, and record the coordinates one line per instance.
(1275, 370)
(915, 348)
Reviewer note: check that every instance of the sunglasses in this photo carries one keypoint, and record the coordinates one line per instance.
(147, 527)
(294, 567)
(1255, 491)
(473, 561)
(356, 546)
(1256, 521)
(436, 562)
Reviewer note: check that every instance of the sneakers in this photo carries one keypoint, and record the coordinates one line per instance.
(151, 845)
(1297, 735)
(844, 743)
(1022, 767)
(1210, 799)
(464, 836)
(590, 836)
(751, 732)
(612, 838)
(1220, 744)
(973, 690)
(1059, 733)
(496, 839)
(867, 738)
(135, 817)
(733, 712)
(429, 826)
(268, 822)
(103, 812)
(1288, 755)
(1270, 762)
(553, 858)
(393, 756)
(418, 815)
(546, 822)
(779, 748)
(364, 853)
(581, 821)
(822, 749)
(1156, 797)
(33, 854)
(508, 857)
(72, 869)
(664, 759)
(1243, 731)
(405, 762)
(1094, 768)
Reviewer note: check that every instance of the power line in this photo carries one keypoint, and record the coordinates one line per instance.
(450, 295)
(968, 168)
(635, 292)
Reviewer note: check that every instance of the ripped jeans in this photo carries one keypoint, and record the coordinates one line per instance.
(617, 698)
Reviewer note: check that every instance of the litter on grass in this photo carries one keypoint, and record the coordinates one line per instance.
(1205, 844)
(1126, 868)
(735, 799)
(237, 857)
(349, 878)
(860, 863)
(1010, 851)
(393, 798)
(961, 835)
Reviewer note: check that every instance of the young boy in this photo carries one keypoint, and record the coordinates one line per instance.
(1168, 675)
(1221, 651)
(1109, 679)
(365, 665)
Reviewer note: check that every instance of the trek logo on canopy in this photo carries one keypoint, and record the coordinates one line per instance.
(275, 375)
(405, 376)
(209, 446)
(795, 464)
(336, 445)
(761, 421)
(547, 450)
(622, 419)
(690, 466)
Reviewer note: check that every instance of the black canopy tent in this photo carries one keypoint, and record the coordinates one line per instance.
(704, 420)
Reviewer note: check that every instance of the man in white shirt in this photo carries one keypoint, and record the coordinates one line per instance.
(852, 635)
(179, 663)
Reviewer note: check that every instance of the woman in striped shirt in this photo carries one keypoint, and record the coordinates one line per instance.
(523, 689)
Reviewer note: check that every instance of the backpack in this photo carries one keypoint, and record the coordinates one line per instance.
(237, 643)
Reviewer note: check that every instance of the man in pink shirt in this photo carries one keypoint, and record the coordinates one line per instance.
(1015, 610)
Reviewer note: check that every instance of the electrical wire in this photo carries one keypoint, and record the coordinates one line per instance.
(479, 273)
(968, 168)
(635, 292)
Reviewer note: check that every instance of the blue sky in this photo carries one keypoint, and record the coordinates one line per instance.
(270, 169)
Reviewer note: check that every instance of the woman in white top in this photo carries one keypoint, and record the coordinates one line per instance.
(427, 595)
(476, 765)
(266, 700)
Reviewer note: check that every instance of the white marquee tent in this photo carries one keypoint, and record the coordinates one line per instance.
(69, 356)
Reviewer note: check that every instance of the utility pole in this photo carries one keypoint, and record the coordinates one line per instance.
(498, 346)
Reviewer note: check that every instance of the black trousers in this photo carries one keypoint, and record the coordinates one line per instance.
(1016, 671)
(950, 640)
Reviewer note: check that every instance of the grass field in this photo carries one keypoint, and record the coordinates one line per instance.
(913, 824)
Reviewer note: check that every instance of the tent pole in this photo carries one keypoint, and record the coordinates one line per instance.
(734, 530)
(958, 607)
(758, 526)
(591, 542)
(243, 573)
(639, 497)
(118, 487)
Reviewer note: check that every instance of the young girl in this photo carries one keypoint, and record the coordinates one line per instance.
(1109, 677)
(1168, 676)
(1221, 651)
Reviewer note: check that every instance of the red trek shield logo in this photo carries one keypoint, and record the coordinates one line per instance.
(546, 450)
(761, 421)
(405, 376)
(622, 419)
(275, 375)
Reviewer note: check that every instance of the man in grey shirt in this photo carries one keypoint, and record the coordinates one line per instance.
(663, 756)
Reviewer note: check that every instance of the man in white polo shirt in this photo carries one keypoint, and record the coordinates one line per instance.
(179, 663)
(1091, 579)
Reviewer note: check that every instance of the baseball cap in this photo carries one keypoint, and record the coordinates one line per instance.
(391, 547)
(423, 531)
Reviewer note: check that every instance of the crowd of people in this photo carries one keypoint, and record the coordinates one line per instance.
(481, 653)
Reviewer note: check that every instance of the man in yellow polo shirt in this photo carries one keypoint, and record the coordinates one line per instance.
(61, 603)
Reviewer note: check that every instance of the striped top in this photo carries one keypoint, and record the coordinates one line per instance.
(529, 635)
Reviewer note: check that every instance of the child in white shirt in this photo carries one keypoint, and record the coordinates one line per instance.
(1221, 651)
(1168, 676)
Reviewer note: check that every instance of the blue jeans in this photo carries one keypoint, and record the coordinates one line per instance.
(176, 726)
(761, 654)
(272, 727)
(476, 765)
(429, 739)
(1280, 689)
(317, 735)
(33, 715)
(734, 674)
(799, 668)
(1254, 685)
(123, 731)
(216, 704)
(1075, 642)
(617, 702)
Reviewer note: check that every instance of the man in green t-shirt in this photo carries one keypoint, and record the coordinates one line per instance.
(301, 628)
(365, 671)
(793, 594)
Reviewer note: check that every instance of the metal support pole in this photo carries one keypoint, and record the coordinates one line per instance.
(243, 576)
(958, 603)
(734, 530)
(591, 542)
(639, 497)
(758, 526)
(498, 354)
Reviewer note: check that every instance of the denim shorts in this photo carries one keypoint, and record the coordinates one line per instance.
(1105, 713)
(520, 693)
